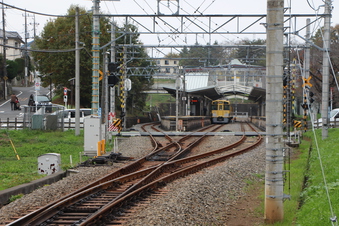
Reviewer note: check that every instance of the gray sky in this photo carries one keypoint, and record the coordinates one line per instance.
(15, 18)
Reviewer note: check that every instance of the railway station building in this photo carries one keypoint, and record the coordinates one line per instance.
(196, 87)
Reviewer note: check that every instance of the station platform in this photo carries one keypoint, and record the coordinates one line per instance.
(185, 123)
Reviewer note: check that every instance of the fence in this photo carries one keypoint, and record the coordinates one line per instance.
(19, 123)
(36, 118)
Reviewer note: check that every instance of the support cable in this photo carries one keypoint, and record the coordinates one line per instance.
(333, 217)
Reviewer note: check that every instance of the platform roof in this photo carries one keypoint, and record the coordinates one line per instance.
(257, 94)
(210, 92)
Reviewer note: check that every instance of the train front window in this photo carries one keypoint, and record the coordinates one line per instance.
(226, 107)
(214, 107)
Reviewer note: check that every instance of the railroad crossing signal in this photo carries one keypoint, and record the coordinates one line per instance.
(307, 83)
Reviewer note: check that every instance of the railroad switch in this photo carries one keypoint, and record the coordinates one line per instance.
(106, 160)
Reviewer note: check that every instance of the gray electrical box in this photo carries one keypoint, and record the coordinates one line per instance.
(92, 135)
(51, 122)
(49, 163)
(37, 121)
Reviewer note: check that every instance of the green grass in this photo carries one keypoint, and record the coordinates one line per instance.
(316, 208)
(309, 205)
(164, 80)
(29, 145)
(155, 99)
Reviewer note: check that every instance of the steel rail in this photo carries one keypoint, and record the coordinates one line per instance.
(96, 218)
(124, 174)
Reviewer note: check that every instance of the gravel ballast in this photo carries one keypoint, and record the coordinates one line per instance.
(189, 201)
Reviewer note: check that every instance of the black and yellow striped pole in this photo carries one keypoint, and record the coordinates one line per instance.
(122, 88)
(285, 100)
(294, 75)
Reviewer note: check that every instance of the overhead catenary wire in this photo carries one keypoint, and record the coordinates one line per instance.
(37, 13)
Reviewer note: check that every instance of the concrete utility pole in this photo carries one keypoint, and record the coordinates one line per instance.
(77, 75)
(306, 71)
(4, 77)
(274, 112)
(326, 69)
(26, 53)
(96, 57)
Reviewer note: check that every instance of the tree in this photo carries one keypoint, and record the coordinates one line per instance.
(59, 34)
(12, 69)
(21, 67)
(252, 54)
(201, 56)
(316, 63)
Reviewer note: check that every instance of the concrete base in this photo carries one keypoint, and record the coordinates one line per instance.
(5, 195)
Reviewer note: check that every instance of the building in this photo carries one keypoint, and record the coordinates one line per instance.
(12, 39)
(168, 66)
(203, 84)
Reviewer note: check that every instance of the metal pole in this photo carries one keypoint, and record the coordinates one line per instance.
(274, 112)
(77, 74)
(326, 69)
(96, 57)
(106, 93)
(177, 85)
(103, 95)
(113, 43)
(124, 109)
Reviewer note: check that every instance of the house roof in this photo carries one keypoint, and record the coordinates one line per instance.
(11, 34)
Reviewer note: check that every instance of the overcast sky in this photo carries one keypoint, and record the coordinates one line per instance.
(15, 18)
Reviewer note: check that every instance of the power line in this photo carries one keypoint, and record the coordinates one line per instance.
(37, 13)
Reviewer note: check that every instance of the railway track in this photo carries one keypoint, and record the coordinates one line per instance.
(106, 200)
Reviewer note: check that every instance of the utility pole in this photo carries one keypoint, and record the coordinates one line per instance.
(34, 26)
(4, 77)
(25, 52)
(77, 74)
(112, 88)
(326, 69)
(95, 57)
(274, 181)
(306, 73)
